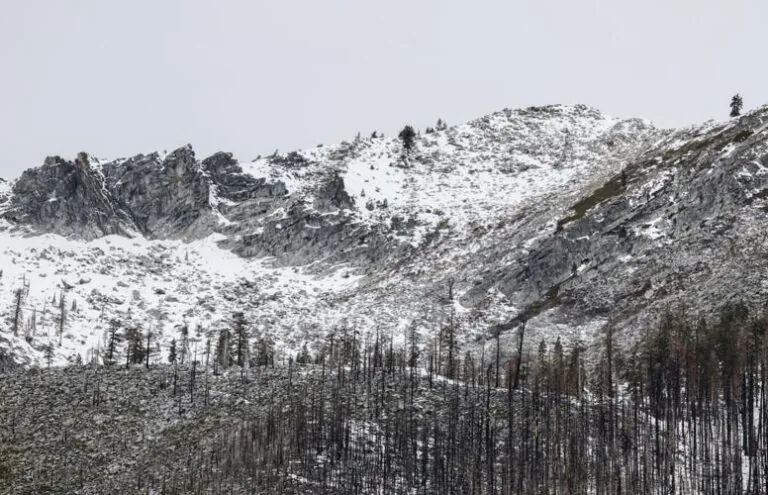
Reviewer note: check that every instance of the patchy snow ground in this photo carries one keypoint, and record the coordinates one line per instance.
(471, 172)
(459, 181)
(155, 284)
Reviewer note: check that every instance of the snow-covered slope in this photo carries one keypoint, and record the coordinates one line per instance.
(5, 194)
(471, 172)
(157, 285)
(555, 216)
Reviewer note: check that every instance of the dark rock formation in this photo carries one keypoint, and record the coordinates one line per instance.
(180, 198)
(332, 194)
(174, 197)
(164, 199)
(66, 197)
(232, 184)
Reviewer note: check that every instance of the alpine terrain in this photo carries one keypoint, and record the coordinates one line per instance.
(521, 211)
(546, 233)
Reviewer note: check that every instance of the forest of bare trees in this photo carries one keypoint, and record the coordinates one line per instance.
(683, 411)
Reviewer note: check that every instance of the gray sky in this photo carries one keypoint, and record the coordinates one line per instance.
(116, 78)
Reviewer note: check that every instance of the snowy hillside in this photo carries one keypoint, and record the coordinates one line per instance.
(472, 172)
(558, 217)
(5, 194)
(158, 285)
(416, 213)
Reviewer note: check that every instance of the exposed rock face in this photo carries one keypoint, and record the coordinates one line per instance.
(332, 194)
(159, 198)
(233, 185)
(683, 225)
(177, 197)
(66, 197)
(164, 198)
(305, 236)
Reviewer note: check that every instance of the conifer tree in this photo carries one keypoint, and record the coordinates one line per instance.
(407, 136)
(112, 342)
(135, 352)
(148, 348)
(183, 350)
(224, 349)
(62, 316)
(17, 318)
(303, 356)
(264, 352)
(48, 354)
(240, 330)
(736, 105)
(172, 352)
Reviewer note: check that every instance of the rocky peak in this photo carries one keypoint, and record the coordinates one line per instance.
(182, 163)
(171, 197)
(165, 198)
(67, 197)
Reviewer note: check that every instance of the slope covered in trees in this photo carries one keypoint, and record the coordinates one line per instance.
(684, 411)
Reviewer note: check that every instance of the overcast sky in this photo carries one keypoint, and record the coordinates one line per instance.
(117, 78)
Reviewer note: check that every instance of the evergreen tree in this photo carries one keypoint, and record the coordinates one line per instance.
(224, 349)
(172, 352)
(31, 327)
(147, 349)
(736, 105)
(62, 316)
(134, 350)
(303, 356)
(264, 352)
(113, 341)
(18, 297)
(240, 331)
(407, 136)
(183, 350)
(48, 354)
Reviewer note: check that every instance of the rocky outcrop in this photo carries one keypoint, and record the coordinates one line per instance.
(178, 197)
(304, 235)
(66, 197)
(165, 198)
(332, 195)
(159, 198)
(234, 185)
(5, 194)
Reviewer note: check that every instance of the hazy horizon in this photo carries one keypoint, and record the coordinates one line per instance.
(248, 77)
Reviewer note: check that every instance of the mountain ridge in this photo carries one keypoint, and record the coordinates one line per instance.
(555, 216)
